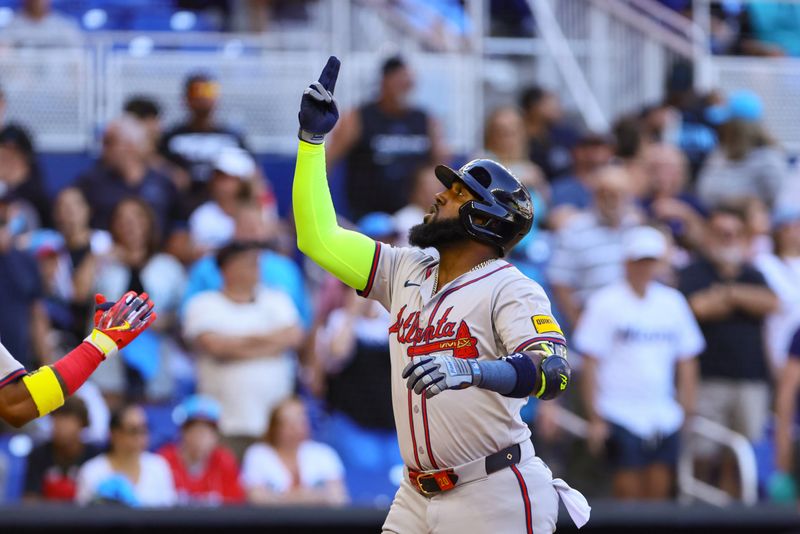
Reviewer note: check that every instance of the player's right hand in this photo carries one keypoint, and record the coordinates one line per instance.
(318, 110)
(118, 323)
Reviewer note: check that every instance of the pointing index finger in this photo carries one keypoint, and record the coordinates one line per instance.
(330, 73)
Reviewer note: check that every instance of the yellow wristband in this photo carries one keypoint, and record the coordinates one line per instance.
(103, 343)
(45, 390)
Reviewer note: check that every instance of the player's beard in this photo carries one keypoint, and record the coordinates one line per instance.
(437, 234)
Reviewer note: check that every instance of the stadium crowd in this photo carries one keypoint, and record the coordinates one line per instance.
(670, 247)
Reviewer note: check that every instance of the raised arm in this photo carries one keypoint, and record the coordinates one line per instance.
(345, 254)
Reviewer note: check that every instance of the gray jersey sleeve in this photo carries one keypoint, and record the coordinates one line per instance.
(389, 265)
(10, 368)
(522, 316)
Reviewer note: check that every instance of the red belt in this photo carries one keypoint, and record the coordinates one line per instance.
(430, 483)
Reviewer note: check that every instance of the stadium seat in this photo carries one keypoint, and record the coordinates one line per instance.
(162, 428)
(14, 450)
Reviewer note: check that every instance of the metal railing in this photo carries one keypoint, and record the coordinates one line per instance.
(690, 487)
(560, 51)
(606, 57)
(623, 50)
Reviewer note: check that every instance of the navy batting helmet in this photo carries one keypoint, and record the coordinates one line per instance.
(503, 211)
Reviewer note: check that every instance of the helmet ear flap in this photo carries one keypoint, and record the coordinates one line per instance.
(482, 221)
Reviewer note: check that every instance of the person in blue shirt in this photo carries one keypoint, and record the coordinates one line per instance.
(277, 271)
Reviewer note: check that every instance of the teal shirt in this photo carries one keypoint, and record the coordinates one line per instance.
(277, 272)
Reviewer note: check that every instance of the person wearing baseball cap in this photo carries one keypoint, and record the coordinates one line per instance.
(747, 162)
(212, 224)
(636, 336)
(205, 472)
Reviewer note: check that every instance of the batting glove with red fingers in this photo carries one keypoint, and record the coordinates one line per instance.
(118, 323)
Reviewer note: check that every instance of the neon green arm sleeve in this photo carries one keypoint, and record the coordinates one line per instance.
(345, 254)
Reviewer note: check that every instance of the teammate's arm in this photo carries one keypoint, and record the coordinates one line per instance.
(27, 396)
(345, 254)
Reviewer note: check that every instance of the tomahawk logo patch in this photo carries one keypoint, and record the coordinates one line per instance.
(544, 324)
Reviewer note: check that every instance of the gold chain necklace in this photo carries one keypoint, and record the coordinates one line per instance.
(481, 265)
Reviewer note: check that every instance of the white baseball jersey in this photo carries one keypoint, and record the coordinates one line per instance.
(10, 368)
(485, 314)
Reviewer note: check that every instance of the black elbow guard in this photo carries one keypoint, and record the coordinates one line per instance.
(555, 377)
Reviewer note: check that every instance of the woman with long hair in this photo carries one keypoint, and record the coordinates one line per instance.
(288, 467)
(136, 263)
(127, 473)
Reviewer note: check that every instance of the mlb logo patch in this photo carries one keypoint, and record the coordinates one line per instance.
(544, 324)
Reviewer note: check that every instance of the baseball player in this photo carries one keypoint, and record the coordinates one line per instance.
(462, 319)
(25, 396)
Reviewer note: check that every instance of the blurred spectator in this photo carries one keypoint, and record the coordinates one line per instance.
(354, 353)
(122, 171)
(382, 142)
(657, 124)
(276, 271)
(289, 468)
(205, 473)
(23, 317)
(747, 163)
(731, 301)
(770, 29)
(532, 254)
(212, 223)
(148, 113)
(757, 225)
(67, 260)
(439, 25)
(588, 249)
(629, 149)
(510, 18)
(504, 142)
(263, 15)
(143, 368)
(782, 485)
(690, 130)
(194, 144)
(549, 136)
(574, 191)
(244, 335)
(423, 189)
(52, 467)
(781, 269)
(20, 174)
(36, 24)
(643, 330)
(667, 200)
(127, 469)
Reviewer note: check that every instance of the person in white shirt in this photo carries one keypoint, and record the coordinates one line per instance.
(288, 467)
(781, 269)
(212, 224)
(140, 478)
(637, 335)
(244, 336)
